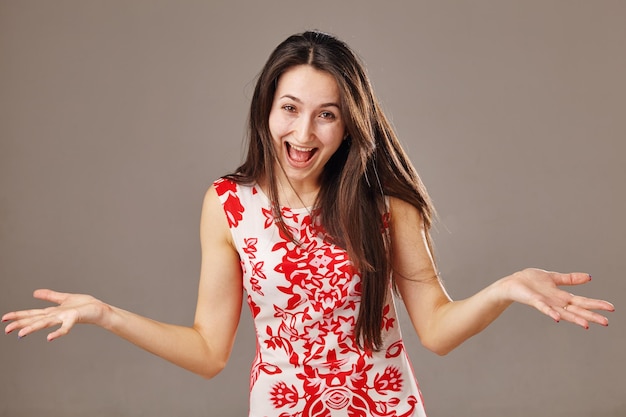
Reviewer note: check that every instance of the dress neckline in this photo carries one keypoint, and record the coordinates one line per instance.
(299, 210)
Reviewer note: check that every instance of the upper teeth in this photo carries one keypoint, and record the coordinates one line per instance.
(301, 149)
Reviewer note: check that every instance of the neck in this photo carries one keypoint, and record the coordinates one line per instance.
(294, 194)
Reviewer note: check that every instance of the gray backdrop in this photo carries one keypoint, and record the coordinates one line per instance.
(115, 116)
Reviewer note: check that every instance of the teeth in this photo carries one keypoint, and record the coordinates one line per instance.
(301, 149)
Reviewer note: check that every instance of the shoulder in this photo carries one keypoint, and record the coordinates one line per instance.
(214, 224)
(240, 203)
(223, 186)
(226, 186)
(212, 204)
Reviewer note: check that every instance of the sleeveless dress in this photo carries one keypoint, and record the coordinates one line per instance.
(305, 301)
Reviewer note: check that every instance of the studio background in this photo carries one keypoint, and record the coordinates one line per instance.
(115, 117)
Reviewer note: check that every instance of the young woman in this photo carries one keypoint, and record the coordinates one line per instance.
(325, 220)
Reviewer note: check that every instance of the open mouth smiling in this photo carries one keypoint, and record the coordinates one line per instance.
(299, 154)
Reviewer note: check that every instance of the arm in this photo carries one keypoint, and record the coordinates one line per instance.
(202, 348)
(443, 324)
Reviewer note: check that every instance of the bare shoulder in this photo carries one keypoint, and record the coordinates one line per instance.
(213, 222)
(211, 203)
(211, 198)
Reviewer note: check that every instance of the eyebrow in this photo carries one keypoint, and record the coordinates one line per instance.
(296, 99)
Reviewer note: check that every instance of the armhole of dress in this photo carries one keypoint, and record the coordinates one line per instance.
(233, 230)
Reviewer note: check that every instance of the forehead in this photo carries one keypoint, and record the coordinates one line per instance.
(308, 84)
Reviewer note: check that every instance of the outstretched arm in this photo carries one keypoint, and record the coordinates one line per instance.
(202, 348)
(443, 324)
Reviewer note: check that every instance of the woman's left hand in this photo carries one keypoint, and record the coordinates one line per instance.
(539, 289)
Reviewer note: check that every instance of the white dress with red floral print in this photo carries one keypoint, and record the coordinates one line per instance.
(304, 300)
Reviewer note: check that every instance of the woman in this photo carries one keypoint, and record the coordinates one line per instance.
(322, 222)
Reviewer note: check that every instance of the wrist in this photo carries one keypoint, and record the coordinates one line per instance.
(106, 316)
(501, 291)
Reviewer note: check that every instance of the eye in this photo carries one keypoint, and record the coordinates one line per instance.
(289, 108)
(327, 115)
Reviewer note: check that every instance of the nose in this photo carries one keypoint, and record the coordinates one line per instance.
(303, 129)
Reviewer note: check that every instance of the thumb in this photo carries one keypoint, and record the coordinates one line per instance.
(49, 295)
(573, 278)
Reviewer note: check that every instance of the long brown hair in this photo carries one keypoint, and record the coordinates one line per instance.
(369, 165)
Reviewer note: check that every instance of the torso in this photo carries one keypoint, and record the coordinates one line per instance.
(305, 299)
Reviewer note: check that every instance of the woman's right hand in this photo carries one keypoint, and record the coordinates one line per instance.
(71, 309)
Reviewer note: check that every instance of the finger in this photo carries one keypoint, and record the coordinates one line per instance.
(591, 303)
(548, 311)
(34, 324)
(589, 316)
(10, 328)
(575, 315)
(41, 294)
(19, 315)
(582, 316)
(61, 331)
(7, 317)
(16, 315)
(49, 295)
(19, 324)
(20, 318)
(573, 278)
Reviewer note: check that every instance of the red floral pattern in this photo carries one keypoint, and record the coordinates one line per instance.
(304, 298)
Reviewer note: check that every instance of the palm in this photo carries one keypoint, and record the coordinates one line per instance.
(540, 289)
(70, 309)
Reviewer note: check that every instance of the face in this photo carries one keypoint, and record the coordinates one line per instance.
(306, 123)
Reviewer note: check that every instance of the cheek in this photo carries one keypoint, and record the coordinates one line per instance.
(272, 123)
(279, 127)
(334, 137)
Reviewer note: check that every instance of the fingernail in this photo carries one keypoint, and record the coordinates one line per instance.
(589, 277)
